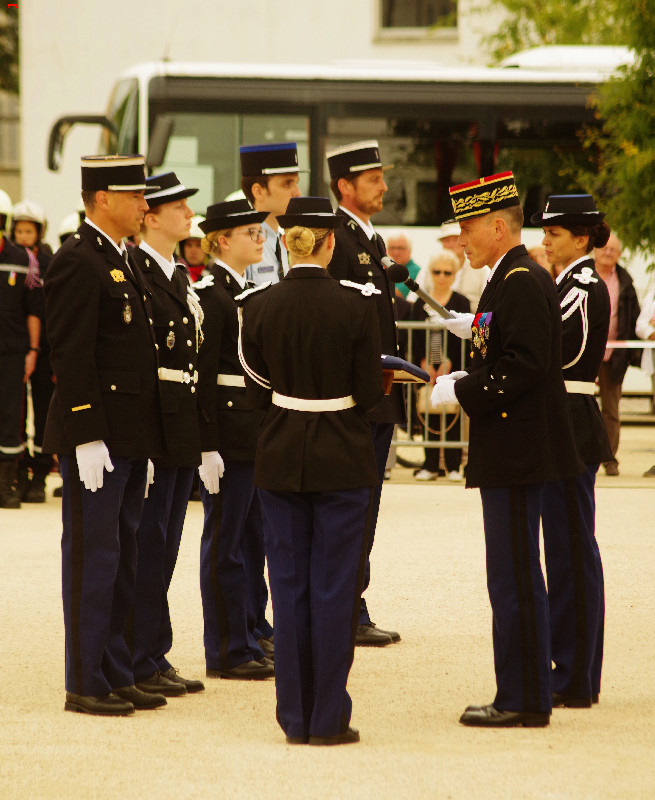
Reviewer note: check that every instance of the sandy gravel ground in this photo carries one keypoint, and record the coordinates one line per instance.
(428, 583)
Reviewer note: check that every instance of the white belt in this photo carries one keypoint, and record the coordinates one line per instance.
(580, 387)
(231, 380)
(301, 404)
(177, 375)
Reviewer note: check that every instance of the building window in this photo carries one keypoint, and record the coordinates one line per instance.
(417, 14)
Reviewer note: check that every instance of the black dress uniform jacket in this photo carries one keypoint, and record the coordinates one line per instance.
(358, 258)
(17, 301)
(229, 421)
(175, 334)
(102, 352)
(306, 319)
(520, 428)
(585, 305)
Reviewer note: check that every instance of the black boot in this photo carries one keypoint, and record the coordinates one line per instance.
(8, 496)
(35, 492)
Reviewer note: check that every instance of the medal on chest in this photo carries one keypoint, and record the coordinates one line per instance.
(12, 279)
(481, 323)
(127, 311)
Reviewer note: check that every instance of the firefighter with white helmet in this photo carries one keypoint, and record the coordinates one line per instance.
(191, 252)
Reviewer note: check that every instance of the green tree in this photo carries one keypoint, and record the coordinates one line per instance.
(532, 23)
(9, 51)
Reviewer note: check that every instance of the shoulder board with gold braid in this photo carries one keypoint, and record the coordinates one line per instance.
(516, 269)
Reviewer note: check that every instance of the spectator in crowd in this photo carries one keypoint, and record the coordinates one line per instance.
(538, 255)
(399, 249)
(468, 281)
(623, 319)
(191, 250)
(441, 356)
(645, 329)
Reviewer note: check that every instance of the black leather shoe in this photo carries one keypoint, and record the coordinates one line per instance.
(190, 684)
(297, 739)
(267, 647)
(563, 700)
(347, 737)
(160, 684)
(393, 635)
(490, 717)
(107, 706)
(250, 671)
(266, 662)
(369, 636)
(142, 701)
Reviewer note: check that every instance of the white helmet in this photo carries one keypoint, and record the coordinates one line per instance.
(5, 209)
(69, 225)
(195, 232)
(29, 211)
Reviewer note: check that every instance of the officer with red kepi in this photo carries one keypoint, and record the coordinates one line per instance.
(105, 424)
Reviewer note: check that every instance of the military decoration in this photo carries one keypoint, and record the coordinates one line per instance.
(127, 311)
(11, 280)
(481, 323)
(117, 275)
(364, 258)
(170, 340)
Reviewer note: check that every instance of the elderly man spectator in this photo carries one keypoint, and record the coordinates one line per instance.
(623, 318)
(400, 250)
(468, 281)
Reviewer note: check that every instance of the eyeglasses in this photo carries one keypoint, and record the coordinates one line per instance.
(255, 234)
(441, 272)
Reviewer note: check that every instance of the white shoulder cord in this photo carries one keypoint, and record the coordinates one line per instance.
(577, 299)
(246, 368)
(193, 301)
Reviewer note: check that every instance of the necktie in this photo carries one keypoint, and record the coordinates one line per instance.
(278, 255)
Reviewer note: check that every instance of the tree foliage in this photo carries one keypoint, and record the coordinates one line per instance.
(533, 23)
(9, 51)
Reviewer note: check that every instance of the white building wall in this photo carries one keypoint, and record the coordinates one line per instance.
(72, 52)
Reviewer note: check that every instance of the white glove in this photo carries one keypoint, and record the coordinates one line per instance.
(453, 376)
(443, 392)
(211, 469)
(92, 459)
(150, 476)
(460, 325)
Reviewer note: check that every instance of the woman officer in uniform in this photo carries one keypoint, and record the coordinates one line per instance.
(311, 354)
(573, 227)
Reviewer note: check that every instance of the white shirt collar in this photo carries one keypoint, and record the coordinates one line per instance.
(495, 267)
(167, 267)
(566, 271)
(368, 229)
(317, 266)
(240, 279)
(121, 249)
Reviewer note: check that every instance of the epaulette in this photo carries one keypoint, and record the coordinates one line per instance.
(585, 276)
(367, 289)
(204, 283)
(516, 269)
(248, 292)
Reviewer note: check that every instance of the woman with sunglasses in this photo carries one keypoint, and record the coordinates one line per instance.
(442, 356)
(573, 227)
(231, 548)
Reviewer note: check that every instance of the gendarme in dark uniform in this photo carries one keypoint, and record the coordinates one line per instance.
(520, 438)
(315, 468)
(176, 316)
(574, 569)
(104, 419)
(358, 257)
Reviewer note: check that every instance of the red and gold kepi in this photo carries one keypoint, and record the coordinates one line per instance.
(484, 195)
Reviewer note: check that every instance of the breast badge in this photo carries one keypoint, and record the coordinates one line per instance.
(170, 340)
(364, 258)
(117, 275)
(481, 323)
(127, 312)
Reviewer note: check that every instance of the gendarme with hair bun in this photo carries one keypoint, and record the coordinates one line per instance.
(309, 212)
(569, 209)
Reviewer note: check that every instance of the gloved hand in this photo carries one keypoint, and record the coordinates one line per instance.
(460, 325)
(443, 392)
(92, 460)
(211, 469)
(453, 376)
(150, 476)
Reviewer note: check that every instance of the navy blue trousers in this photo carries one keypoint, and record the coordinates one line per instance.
(382, 434)
(158, 538)
(316, 550)
(230, 516)
(576, 595)
(517, 592)
(254, 558)
(99, 552)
